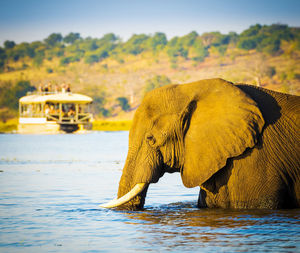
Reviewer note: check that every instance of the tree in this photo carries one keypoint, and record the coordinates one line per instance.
(8, 44)
(53, 39)
(189, 39)
(123, 102)
(10, 93)
(71, 38)
(176, 48)
(252, 31)
(91, 58)
(109, 38)
(158, 41)
(136, 44)
(198, 50)
(269, 45)
(246, 44)
(2, 58)
(38, 59)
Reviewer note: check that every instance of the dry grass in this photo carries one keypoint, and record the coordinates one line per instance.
(128, 78)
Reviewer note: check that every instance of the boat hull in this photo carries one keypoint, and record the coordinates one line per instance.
(44, 127)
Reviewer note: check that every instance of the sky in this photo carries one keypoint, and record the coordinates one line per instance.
(32, 20)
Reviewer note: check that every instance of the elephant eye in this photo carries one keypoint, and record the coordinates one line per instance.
(150, 138)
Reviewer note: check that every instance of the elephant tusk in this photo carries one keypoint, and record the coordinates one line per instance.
(137, 189)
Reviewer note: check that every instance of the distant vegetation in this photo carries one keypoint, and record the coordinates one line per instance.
(9, 96)
(65, 57)
(74, 48)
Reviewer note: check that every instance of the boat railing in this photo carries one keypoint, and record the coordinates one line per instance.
(41, 93)
(80, 118)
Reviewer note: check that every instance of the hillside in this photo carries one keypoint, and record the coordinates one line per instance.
(117, 74)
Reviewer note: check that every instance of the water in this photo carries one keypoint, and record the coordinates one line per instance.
(51, 186)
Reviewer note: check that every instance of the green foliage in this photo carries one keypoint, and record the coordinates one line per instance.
(109, 38)
(72, 48)
(176, 48)
(247, 44)
(156, 82)
(136, 44)
(10, 93)
(269, 45)
(5, 115)
(49, 70)
(66, 60)
(200, 50)
(252, 31)
(91, 58)
(2, 59)
(38, 60)
(266, 39)
(123, 102)
(158, 41)
(71, 38)
(8, 44)
(222, 49)
(188, 46)
(53, 39)
(20, 51)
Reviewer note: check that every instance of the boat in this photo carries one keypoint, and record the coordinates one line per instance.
(60, 112)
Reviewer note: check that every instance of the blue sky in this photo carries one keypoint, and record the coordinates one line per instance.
(30, 20)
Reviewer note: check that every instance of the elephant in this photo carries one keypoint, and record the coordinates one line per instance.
(239, 143)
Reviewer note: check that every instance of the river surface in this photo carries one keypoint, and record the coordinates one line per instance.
(51, 186)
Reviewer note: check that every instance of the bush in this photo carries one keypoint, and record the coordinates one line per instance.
(123, 102)
(49, 70)
(10, 94)
(38, 60)
(91, 58)
(269, 45)
(64, 61)
(246, 44)
(53, 39)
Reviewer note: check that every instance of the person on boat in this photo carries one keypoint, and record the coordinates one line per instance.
(52, 110)
(56, 90)
(71, 112)
(68, 88)
(40, 88)
(63, 87)
(47, 88)
(47, 109)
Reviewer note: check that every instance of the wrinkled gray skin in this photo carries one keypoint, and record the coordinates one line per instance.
(240, 144)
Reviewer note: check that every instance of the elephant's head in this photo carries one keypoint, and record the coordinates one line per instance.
(192, 129)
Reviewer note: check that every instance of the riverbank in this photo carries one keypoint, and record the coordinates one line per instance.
(111, 125)
(11, 125)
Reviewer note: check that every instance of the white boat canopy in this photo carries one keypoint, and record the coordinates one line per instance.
(57, 98)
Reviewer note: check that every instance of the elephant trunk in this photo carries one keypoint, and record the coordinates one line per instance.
(132, 191)
(138, 200)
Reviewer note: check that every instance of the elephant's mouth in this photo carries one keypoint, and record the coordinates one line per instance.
(136, 190)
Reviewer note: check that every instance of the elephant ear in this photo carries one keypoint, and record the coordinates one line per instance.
(223, 124)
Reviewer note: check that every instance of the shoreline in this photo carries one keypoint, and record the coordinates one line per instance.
(11, 126)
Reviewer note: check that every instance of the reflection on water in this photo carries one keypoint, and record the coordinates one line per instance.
(51, 186)
(190, 228)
